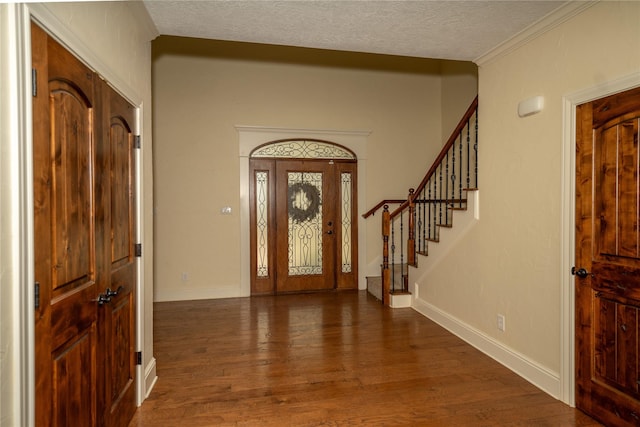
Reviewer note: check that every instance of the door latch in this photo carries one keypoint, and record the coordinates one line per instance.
(580, 272)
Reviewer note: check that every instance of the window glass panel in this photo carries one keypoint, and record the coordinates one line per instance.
(346, 196)
(262, 223)
(303, 149)
(305, 223)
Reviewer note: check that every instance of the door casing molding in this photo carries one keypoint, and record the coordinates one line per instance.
(251, 137)
(568, 194)
(17, 403)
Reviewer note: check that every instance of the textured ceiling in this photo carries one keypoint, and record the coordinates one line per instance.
(439, 29)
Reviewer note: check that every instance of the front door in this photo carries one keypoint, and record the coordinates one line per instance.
(305, 221)
(84, 247)
(607, 283)
(303, 224)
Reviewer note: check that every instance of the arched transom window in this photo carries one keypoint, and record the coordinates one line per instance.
(303, 149)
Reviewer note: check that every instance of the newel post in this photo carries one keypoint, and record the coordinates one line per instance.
(386, 273)
(411, 238)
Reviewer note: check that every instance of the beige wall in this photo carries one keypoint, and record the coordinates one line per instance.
(114, 39)
(510, 263)
(459, 88)
(202, 89)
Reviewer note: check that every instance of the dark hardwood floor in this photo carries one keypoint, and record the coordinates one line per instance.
(329, 359)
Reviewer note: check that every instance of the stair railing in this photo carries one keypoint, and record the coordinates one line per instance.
(409, 228)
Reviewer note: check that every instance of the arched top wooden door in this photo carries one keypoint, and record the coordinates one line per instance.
(303, 217)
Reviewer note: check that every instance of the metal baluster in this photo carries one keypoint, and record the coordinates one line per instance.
(453, 175)
(468, 157)
(434, 207)
(460, 172)
(418, 221)
(424, 219)
(429, 207)
(475, 147)
(440, 197)
(446, 188)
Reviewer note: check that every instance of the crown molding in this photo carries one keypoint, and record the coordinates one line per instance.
(535, 30)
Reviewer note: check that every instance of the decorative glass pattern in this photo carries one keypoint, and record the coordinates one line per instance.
(305, 223)
(303, 149)
(346, 221)
(262, 230)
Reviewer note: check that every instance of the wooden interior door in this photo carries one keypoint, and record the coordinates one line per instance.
(607, 268)
(304, 228)
(116, 319)
(65, 233)
(84, 265)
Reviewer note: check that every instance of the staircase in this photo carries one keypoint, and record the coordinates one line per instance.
(374, 283)
(418, 222)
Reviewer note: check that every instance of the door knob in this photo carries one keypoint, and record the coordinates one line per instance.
(581, 272)
(330, 232)
(102, 299)
(109, 293)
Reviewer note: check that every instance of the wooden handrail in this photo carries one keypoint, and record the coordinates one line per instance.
(374, 209)
(443, 153)
(452, 139)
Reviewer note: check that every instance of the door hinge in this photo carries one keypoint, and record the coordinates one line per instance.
(138, 249)
(137, 142)
(36, 295)
(34, 82)
(138, 358)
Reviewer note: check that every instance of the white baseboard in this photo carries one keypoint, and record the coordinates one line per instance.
(531, 371)
(150, 378)
(197, 293)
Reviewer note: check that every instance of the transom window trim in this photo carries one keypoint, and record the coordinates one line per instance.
(303, 149)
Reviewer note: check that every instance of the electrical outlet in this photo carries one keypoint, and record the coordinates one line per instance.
(501, 322)
(185, 276)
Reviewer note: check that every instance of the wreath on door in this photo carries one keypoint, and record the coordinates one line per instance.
(304, 202)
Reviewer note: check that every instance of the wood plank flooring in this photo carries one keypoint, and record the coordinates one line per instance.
(329, 359)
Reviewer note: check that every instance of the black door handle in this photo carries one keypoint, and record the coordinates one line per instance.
(110, 293)
(581, 272)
